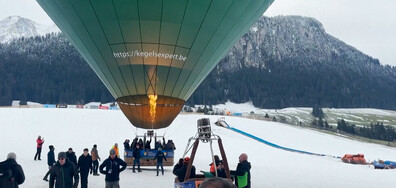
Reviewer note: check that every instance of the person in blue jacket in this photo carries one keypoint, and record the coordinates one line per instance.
(136, 158)
(51, 161)
(160, 157)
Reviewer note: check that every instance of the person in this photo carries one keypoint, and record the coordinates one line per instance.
(158, 145)
(95, 160)
(136, 158)
(11, 173)
(168, 146)
(148, 144)
(221, 171)
(50, 161)
(181, 172)
(63, 173)
(242, 172)
(85, 167)
(115, 147)
(217, 162)
(140, 142)
(134, 142)
(112, 172)
(71, 155)
(178, 166)
(126, 144)
(160, 156)
(40, 143)
(217, 183)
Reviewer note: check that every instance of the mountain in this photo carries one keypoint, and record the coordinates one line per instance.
(299, 39)
(14, 27)
(291, 61)
(281, 62)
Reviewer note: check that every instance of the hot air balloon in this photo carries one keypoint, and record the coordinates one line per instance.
(152, 54)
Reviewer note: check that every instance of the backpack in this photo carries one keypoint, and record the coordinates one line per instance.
(6, 176)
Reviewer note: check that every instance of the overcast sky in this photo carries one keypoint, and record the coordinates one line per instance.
(368, 25)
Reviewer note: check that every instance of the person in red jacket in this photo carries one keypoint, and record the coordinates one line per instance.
(40, 143)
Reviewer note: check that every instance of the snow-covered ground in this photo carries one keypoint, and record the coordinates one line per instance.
(295, 115)
(81, 128)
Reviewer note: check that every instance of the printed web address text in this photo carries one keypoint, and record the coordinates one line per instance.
(149, 54)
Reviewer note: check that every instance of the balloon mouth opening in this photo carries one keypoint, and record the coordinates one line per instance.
(150, 111)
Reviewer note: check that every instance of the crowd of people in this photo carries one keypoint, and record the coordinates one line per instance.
(241, 176)
(139, 144)
(67, 171)
(170, 145)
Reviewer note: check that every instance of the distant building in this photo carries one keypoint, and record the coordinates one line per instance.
(15, 103)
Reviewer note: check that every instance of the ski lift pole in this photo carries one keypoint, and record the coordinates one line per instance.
(192, 156)
(223, 155)
(187, 147)
(213, 159)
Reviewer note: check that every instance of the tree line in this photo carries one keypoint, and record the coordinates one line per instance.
(377, 131)
(48, 69)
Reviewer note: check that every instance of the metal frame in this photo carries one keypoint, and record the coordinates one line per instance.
(198, 137)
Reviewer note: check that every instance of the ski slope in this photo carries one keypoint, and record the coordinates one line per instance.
(271, 167)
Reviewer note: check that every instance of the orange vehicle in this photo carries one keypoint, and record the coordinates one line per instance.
(354, 159)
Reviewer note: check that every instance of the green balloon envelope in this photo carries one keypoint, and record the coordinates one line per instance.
(153, 47)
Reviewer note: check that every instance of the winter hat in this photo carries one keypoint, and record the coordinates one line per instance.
(86, 149)
(51, 147)
(11, 155)
(186, 160)
(112, 151)
(62, 155)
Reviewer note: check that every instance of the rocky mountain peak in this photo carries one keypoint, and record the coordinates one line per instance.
(13, 27)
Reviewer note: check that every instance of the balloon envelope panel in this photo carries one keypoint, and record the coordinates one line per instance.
(153, 47)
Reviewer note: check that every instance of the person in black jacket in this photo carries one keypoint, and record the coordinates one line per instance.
(136, 158)
(11, 172)
(85, 167)
(158, 145)
(71, 156)
(242, 168)
(181, 171)
(50, 161)
(169, 145)
(160, 156)
(126, 144)
(112, 172)
(134, 142)
(148, 144)
(63, 173)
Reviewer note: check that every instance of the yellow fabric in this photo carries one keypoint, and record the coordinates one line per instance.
(116, 150)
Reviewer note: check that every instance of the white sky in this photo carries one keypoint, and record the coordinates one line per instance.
(368, 25)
